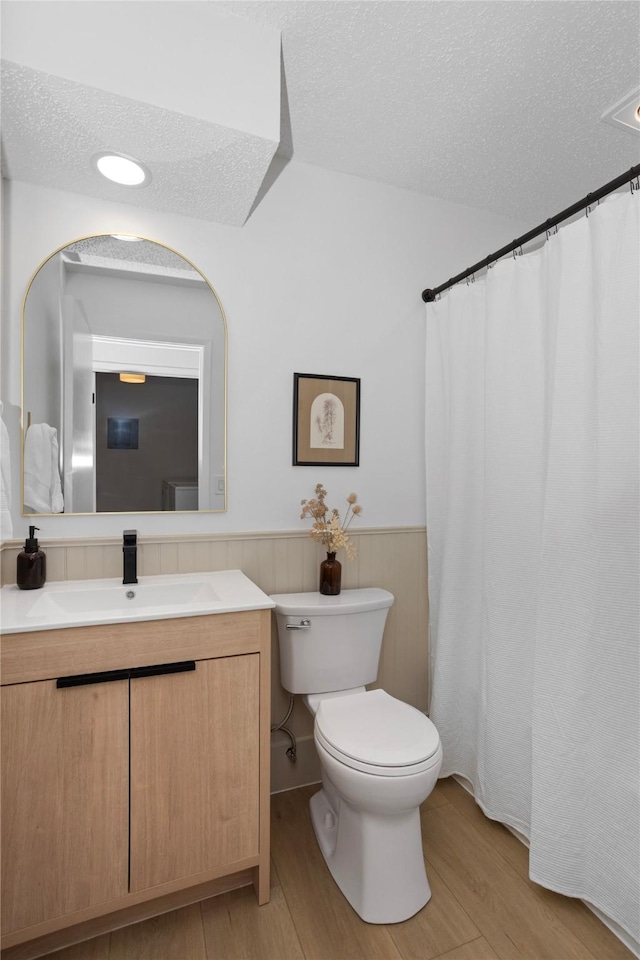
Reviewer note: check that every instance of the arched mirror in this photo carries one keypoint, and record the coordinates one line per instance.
(124, 347)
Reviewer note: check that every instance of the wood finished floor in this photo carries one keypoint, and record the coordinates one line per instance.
(483, 907)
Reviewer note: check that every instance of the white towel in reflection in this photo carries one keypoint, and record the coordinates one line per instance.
(6, 524)
(42, 487)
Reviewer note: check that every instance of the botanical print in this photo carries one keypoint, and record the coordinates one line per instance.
(327, 422)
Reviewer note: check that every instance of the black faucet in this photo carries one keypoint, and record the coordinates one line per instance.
(130, 556)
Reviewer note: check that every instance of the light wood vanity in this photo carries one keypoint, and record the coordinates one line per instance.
(135, 772)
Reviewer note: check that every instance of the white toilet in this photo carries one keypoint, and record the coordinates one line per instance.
(380, 757)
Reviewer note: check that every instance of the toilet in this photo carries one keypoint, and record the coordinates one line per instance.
(380, 757)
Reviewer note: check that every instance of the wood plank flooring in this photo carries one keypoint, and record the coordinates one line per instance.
(483, 906)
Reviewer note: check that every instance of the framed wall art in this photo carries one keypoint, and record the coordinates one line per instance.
(122, 433)
(326, 421)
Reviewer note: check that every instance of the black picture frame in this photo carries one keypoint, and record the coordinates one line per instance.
(326, 420)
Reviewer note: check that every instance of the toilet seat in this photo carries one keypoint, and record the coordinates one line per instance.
(377, 734)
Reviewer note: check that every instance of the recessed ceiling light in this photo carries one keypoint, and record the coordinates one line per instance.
(122, 170)
(625, 113)
(132, 377)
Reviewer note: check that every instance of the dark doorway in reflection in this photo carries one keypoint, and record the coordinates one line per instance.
(145, 477)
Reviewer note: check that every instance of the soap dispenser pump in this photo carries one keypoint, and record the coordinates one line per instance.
(32, 564)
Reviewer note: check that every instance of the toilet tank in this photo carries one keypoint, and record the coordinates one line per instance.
(339, 647)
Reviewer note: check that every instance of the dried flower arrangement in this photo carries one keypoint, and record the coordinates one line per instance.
(327, 528)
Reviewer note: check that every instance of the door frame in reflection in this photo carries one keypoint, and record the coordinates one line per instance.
(117, 355)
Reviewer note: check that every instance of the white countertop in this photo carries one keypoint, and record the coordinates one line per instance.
(80, 603)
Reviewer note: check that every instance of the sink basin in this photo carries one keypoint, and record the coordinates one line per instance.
(79, 598)
(86, 602)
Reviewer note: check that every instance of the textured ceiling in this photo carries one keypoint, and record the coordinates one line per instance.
(494, 104)
(51, 128)
(141, 256)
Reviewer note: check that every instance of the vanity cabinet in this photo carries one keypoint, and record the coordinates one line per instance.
(65, 756)
(194, 770)
(136, 781)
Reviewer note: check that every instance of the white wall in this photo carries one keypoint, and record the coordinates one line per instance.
(130, 306)
(325, 277)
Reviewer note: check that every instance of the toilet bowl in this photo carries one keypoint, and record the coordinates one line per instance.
(366, 817)
(379, 757)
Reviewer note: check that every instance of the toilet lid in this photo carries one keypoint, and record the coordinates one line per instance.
(375, 728)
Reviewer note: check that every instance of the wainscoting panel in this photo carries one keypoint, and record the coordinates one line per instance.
(281, 562)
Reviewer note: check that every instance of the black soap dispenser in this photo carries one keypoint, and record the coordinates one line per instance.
(32, 564)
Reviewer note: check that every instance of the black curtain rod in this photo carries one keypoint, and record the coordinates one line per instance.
(431, 294)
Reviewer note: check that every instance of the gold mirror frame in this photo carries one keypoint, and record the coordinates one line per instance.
(26, 419)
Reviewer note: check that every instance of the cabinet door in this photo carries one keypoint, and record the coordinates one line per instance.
(64, 799)
(194, 770)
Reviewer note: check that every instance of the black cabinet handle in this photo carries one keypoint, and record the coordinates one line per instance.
(109, 676)
(160, 668)
(81, 679)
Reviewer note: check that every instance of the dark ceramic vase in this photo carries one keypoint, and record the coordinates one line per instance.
(330, 576)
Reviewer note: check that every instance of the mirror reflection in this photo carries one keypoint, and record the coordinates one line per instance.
(124, 382)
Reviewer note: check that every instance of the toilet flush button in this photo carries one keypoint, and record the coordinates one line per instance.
(329, 820)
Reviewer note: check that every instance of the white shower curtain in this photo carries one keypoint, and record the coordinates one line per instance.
(533, 493)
